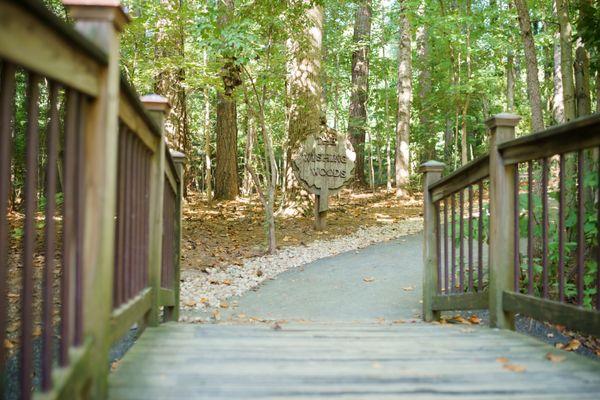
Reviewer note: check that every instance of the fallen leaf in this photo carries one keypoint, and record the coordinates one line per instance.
(474, 319)
(502, 360)
(37, 331)
(8, 344)
(399, 321)
(189, 303)
(550, 335)
(216, 315)
(224, 304)
(408, 288)
(203, 300)
(227, 282)
(555, 358)
(572, 345)
(559, 345)
(514, 367)
(368, 279)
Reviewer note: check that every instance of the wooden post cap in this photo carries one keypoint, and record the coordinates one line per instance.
(503, 119)
(178, 157)
(155, 102)
(96, 10)
(432, 166)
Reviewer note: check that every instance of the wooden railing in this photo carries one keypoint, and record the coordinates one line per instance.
(81, 257)
(540, 252)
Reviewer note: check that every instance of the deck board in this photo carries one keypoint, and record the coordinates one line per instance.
(346, 361)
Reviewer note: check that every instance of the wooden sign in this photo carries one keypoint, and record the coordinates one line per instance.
(324, 164)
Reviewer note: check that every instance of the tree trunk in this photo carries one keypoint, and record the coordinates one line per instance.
(304, 86)
(404, 102)
(510, 82)
(533, 84)
(464, 131)
(360, 87)
(226, 174)
(582, 68)
(566, 58)
(422, 40)
(207, 149)
(558, 109)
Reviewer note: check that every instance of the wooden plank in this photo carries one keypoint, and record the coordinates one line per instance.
(170, 176)
(579, 134)
(129, 313)
(136, 122)
(573, 317)
(466, 301)
(469, 174)
(166, 297)
(38, 46)
(242, 361)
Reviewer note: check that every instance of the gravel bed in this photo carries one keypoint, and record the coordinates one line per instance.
(204, 290)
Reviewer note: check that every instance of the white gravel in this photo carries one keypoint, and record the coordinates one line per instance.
(204, 290)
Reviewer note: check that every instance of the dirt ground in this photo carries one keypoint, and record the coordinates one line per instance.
(228, 231)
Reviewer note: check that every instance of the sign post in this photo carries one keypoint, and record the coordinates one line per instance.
(324, 164)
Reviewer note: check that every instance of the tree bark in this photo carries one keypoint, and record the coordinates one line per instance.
(404, 102)
(464, 131)
(558, 108)
(207, 149)
(226, 174)
(304, 86)
(566, 58)
(357, 122)
(582, 68)
(533, 84)
(422, 40)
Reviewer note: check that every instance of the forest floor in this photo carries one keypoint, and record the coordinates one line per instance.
(227, 232)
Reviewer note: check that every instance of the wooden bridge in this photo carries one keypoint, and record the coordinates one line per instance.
(106, 255)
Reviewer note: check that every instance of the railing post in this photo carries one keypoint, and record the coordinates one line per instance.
(179, 160)
(432, 172)
(158, 107)
(502, 129)
(100, 21)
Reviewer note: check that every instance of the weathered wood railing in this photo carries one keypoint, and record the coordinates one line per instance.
(81, 260)
(516, 281)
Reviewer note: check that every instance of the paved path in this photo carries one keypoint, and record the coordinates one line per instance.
(331, 347)
(336, 288)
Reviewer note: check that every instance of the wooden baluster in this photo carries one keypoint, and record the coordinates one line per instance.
(432, 172)
(502, 128)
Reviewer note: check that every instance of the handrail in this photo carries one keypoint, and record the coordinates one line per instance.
(75, 38)
(466, 175)
(115, 166)
(515, 286)
(133, 99)
(581, 133)
(63, 54)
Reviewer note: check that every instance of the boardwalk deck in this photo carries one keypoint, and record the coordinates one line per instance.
(346, 361)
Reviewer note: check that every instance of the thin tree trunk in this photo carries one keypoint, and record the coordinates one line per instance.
(404, 102)
(207, 149)
(360, 87)
(566, 58)
(510, 82)
(582, 67)
(422, 40)
(464, 131)
(533, 84)
(558, 109)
